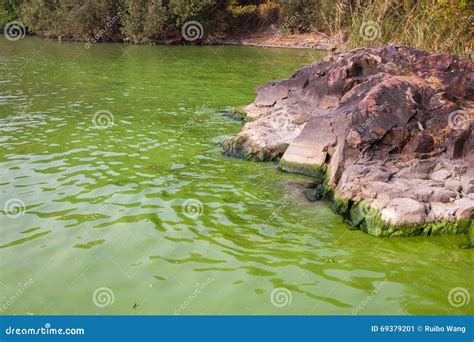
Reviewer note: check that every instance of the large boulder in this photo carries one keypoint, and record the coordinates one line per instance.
(390, 127)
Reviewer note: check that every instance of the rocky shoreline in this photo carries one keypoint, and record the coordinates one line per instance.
(387, 133)
(269, 38)
(272, 39)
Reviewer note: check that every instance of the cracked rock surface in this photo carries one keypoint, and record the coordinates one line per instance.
(391, 128)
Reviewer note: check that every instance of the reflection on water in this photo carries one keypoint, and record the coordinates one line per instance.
(117, 200)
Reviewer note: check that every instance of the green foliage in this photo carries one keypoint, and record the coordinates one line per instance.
(39, 15)
(85, 18)
(249, 15)
(299, 15)
(74, 19)
(144, 20)
(9, 10)
(436, 25)
(184, 10)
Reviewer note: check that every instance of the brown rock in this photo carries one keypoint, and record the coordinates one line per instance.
(421, 143)
(380, 121)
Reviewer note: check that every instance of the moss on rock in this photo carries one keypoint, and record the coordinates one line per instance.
(359, 215)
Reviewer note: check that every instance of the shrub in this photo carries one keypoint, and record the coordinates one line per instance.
(433, 25)
(436, 25)
(144, 20)
(80, 20)
(9, 10)
(40, 16)
(299, 15)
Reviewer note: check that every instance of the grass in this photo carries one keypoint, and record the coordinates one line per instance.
(436, 26)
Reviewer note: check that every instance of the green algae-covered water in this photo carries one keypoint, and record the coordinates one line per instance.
(115, 197)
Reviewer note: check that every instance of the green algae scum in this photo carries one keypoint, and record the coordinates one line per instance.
(116, 198)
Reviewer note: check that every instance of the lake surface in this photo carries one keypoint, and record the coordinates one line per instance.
(115, 197)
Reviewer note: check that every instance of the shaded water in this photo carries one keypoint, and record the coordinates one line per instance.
(134, 210)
